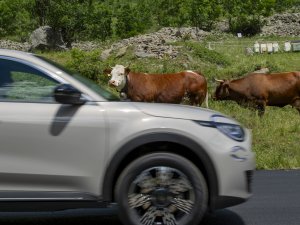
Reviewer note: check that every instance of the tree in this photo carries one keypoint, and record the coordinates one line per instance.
(15, 18)
(98, 22)
(69, 17)
(41, 8)
(204, 13)
(245, 16)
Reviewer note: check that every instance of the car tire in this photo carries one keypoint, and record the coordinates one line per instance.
(161, 188)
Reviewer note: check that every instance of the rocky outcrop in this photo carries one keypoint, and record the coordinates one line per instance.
(86, 45)
(287, 24)
(158, 44)
(7, 44)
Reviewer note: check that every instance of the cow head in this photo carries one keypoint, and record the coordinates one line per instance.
(118, 75)
(222, 90)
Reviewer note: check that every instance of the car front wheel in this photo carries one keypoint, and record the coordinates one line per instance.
(161, 189)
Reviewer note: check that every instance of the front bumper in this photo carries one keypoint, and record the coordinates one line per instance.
(234, 170)
(221, 201)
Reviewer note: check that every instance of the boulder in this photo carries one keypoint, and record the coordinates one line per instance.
(46, 38)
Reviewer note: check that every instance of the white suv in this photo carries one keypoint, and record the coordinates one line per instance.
(68, 143)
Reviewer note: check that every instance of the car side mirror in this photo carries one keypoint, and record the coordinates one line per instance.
(67, 94)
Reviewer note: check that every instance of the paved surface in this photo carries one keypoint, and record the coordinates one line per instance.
(276, 201)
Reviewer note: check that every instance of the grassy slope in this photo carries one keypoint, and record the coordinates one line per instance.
(276, 136)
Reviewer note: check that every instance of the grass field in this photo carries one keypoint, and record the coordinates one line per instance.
(276, 136)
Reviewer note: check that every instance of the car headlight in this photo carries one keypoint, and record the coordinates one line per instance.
(226, 126)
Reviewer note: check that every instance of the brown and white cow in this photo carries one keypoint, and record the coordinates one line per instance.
(162, 88)
(259, 90)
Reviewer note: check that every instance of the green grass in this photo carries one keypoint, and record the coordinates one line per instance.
(276, 136)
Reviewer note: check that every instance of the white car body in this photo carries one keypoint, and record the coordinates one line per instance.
(71, 153)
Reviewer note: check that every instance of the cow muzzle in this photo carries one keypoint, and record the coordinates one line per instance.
(113, 83)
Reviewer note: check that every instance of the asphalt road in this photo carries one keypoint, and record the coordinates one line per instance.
(276, 201)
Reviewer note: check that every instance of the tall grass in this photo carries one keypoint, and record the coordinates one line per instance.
(276, 136)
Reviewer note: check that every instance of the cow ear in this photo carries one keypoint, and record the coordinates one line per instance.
(107, 72)
(127, 70)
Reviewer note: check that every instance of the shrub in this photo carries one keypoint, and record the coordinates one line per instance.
(246, 25)
(15, 18)
(88, 64)
(208, 55)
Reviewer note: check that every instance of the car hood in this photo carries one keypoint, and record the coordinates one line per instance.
(175, 111)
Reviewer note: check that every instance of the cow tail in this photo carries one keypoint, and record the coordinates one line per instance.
(206, 99)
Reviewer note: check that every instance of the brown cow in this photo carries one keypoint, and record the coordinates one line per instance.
(259, 90)
(163, 88)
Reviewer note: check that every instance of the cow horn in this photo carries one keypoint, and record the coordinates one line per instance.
(220, 81)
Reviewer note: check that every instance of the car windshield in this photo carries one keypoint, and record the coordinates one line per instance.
(89, 83)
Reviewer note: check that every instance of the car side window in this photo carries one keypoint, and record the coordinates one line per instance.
(20, 82)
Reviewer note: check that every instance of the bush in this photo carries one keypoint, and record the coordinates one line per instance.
(208, 55)
(246, 25)
(86, 63)
(15, 18)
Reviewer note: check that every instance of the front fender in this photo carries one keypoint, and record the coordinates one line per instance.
(203, 160)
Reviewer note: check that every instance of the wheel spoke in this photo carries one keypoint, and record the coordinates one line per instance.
(179, 185)
(168, 218)
(164, 176)
(161, 195)
(137, 200)
(146, 182)
(149, 217)
(183, 205)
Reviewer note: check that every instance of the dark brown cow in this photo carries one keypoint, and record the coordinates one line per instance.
(259, 90)
(164, 88)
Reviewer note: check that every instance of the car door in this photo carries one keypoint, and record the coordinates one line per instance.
(46, 147)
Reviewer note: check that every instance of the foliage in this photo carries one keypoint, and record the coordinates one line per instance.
(248, 26)
(204, 13)
(115, 19)
(207, 55)
(88, 64)
(130, 19)
(244, 16)
(68, 17)
(98, 24)
(15, 18)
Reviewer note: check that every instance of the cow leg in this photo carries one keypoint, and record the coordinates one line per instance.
(261, 111)
(261, 106)
(192, 99)
(296, 104)
(199, 98)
